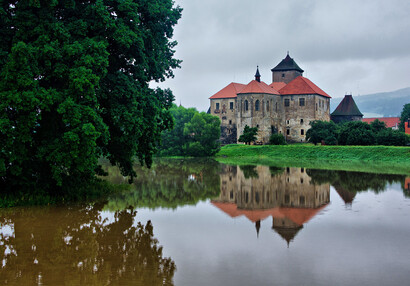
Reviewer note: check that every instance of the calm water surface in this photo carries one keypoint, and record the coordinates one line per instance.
(205, 223)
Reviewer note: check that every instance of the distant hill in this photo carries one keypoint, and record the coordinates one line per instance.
(383, 104)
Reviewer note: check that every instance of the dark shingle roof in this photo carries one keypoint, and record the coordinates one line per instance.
(287, 64)
(347, 107)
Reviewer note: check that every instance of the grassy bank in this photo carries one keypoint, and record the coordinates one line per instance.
(376, 159)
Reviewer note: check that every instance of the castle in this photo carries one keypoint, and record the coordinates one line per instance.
(285, 106)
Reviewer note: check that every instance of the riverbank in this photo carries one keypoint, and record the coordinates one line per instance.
(375, 159)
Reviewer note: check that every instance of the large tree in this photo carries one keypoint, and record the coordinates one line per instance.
(75, 85)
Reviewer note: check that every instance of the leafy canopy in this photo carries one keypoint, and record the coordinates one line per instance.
(74, 87)
(248, 135)
(194, 134)
(322, 131)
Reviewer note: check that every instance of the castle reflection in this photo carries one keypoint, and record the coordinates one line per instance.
(288, 195)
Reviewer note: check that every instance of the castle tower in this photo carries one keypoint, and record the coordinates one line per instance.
(286, 71)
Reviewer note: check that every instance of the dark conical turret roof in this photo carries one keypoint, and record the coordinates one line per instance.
(347, 107)
(287, 64)
(257, 75)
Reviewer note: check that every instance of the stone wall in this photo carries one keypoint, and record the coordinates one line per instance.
(261, 187)
(285, 76)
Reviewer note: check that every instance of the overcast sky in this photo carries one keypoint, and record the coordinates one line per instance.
(349, 46)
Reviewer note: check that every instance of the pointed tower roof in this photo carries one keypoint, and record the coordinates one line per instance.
(258, 87)
(287, 64)
(347, 107)
(257, 75)
(302, 85)
(228, 91)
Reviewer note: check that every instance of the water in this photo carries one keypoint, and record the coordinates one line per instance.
(204, 223)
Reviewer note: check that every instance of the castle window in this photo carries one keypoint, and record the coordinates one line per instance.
(302, 200)
(301, 102)
(316, 106)
(230, 121)
(287, 131)
(257, 105)
(287, 122)
(223, 117)
(267, 106)
(231, 105)
(217, 106)
(287, 102)
(302, 131)
(246, 105)
(276, 107)
(283, 75)
(301, 121)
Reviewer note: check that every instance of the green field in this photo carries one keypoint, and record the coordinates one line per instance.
(375, 159)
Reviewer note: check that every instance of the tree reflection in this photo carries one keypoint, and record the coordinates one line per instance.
(169, 183)
(76, 246)
(355, 182)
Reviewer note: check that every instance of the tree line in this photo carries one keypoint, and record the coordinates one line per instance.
(194, 134)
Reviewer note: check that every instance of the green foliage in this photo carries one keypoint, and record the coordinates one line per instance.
(382, 159)
(194, 134)
(377, 126)
(404, 116)
(323, 131)
(248, 135)
(354, 181)
(249, 171)
(277, 139)
(75, 86)
(168, 184)
(390, 137)
(356, 133)
(203, 132)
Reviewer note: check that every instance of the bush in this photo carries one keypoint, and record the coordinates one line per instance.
(389, 137)
(277, 139)
(356, 133)
(322, 131)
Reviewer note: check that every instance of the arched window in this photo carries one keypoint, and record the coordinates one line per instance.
(246, 105)
(257, 105)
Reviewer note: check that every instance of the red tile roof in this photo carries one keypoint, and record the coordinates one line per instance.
(277, 85)
(228, 91)
(297, 215)
(390, 121)
(302, 85)
(258, 87)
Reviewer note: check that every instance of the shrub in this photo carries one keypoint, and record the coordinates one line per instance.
(322, 131)
(356, 133)
(389, 137)
(277, 139)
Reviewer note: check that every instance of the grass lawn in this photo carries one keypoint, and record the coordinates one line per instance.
(376, 159)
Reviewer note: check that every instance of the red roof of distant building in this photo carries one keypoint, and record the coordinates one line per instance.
(277, 85)
(258, 87)
(302, 85)
(390, 121)
(228, 91)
